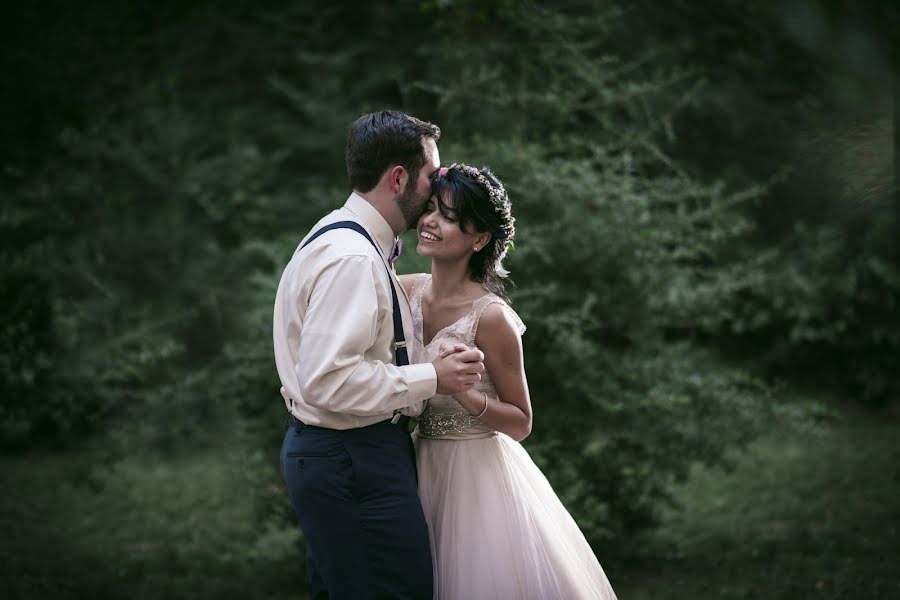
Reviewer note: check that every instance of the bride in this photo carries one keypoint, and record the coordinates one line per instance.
(497, 528)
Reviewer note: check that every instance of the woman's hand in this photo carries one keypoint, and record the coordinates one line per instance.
(471, 400)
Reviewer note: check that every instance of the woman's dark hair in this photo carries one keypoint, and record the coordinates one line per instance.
(462, 198)
(379, 140)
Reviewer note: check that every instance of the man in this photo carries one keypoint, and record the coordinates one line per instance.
(347, 458)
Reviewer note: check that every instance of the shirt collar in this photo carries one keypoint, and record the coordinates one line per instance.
(372, 220)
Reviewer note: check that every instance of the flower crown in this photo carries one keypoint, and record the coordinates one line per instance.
(498, 197)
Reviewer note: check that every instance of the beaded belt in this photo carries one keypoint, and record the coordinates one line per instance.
(433, 423)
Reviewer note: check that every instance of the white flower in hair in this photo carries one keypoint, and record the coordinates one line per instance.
(500, 199)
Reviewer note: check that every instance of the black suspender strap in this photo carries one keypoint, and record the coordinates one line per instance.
(401, 357)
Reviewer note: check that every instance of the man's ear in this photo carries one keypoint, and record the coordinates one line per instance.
(398, 178)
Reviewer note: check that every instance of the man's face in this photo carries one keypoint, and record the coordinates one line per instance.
(412, 200)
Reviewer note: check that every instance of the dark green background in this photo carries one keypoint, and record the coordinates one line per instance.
(707, 261)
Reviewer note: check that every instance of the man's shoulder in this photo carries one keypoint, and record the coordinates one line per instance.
(337, 242)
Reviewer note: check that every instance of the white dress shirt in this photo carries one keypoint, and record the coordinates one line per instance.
(333, 328)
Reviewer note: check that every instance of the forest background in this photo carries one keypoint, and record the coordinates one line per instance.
(707, 261)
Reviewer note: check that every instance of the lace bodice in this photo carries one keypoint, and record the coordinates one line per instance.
(443, 416)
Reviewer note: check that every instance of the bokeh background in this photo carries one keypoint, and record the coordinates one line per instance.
(707, 261)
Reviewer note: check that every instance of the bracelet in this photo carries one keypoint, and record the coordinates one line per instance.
(481, 414)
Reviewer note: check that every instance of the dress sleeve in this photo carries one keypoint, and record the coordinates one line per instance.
(481, 305)
(418, 285)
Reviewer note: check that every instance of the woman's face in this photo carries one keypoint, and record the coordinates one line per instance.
(440, 235)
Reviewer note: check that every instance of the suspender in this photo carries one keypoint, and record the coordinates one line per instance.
(401, 358)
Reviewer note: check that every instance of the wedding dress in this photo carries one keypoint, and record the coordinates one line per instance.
(498, 530)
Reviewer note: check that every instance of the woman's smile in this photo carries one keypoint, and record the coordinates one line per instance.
(428, 236)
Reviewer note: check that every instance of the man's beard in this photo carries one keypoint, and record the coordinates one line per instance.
(411, 204)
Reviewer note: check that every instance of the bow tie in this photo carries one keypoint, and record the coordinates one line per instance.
(395, 253)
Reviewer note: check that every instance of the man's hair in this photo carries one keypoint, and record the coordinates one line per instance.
(380, 140)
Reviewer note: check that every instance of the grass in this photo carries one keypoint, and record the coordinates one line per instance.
(189, 527)
(811, 514)
(802, 515)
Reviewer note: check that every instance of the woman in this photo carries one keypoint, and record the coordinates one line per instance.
(497, 528)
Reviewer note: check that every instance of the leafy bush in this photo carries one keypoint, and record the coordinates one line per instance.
(613, 240)
(153, 238)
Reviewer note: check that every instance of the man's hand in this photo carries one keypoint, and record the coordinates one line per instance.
(448, 350)
(458, 368)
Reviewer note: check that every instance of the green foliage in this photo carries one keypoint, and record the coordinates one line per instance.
(90, 526)
(824, 299)
(624, 400)
(802, 514)
(26, 339)
(140, 259)
(790, 99)
(150, 262)
(613, 238)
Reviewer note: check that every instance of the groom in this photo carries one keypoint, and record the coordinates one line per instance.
(340, 328)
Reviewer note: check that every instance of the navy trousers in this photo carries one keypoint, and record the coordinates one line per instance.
(356, 499)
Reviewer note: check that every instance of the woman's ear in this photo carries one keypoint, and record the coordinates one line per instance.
(482, 240)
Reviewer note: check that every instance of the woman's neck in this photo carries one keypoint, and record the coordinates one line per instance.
(450, 280)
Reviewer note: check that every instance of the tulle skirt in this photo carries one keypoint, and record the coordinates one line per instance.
(498, 530)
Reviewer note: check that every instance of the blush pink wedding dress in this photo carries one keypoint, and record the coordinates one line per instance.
(498, 530)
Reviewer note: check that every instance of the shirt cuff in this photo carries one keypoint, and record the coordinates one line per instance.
(421, 379)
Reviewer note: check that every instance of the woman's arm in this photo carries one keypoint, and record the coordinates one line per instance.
(510, 413)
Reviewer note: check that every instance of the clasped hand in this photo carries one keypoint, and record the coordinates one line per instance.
(458, 368)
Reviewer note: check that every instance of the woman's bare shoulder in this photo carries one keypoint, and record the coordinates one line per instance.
(409, 280)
